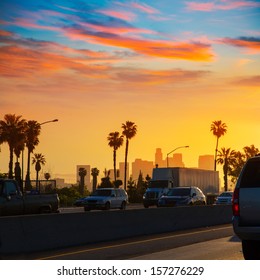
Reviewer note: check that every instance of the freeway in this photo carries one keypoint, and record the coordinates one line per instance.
(210, 243)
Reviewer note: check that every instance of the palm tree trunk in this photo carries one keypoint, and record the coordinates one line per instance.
(114, 155)
(215, 159)
(37, 181)
(10, 172)
(27, 179)
(126, 153)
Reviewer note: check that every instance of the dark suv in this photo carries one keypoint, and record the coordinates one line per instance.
(181, 196)
(246, 208)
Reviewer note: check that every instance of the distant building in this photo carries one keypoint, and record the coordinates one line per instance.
(143, 166)
(87, 178)
(206, 162)
(60, 183)
(159, 158)
(176, 161)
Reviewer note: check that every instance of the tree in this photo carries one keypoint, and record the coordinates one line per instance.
(115, 140)
(12, 131)
(226, 157)
(32, 132)
(241, 158)
(219, 129)
(47, 176)
(38, 160)
(129, 131)
(94, 174)
(82, 174)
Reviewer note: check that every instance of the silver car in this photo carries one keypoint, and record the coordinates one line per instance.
(246, 209)
(105, 199)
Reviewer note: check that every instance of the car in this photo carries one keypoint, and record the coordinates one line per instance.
(224, 198)
(105, 199)
(181, 196)
(246, 208)
(79, 202)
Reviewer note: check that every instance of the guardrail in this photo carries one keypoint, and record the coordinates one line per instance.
(33, 233)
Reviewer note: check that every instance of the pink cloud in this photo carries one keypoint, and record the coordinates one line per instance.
(128, 16)
(220, 5)
(145, 8)
(252, 45)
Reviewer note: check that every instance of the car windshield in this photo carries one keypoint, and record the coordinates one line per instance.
(179, 192)
(102, 193)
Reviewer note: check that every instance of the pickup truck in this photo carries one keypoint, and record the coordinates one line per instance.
(13, 202)
(246, 209)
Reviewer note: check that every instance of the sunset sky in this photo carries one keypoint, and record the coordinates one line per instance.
(170, 66)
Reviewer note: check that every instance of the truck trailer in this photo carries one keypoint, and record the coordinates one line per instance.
(165, 178)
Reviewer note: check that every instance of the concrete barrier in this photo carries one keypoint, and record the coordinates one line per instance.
(23, 234)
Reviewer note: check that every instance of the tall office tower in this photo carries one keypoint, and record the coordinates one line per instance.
(143, 166)
(159, 158)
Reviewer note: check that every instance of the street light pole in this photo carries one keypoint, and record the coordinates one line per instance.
(55, 120)
(173, 151)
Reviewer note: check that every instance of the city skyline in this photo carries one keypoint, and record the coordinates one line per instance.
(170, 69)
(138, 165)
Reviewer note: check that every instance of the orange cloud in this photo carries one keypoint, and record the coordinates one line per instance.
(165, 49)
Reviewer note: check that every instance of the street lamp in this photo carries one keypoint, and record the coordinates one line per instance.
(173, 151)
(55, 120)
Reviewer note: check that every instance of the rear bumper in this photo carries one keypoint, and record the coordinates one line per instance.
(245, 232)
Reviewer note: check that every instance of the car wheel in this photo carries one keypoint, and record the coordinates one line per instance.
(251, 249)
(107, 206)
(123, 205)
(86, 209)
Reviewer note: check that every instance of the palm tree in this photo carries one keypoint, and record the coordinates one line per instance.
(32, 132)
(115, 140)
(227, 158)
(47, 176)
(219, 129)
(38, 160)
(129, 131)
(82, 174)
(250, 151)
(12, 131)
(94, 174)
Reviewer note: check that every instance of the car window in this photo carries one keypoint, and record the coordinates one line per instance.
(251, 175)
(102, 193)
(179, 192)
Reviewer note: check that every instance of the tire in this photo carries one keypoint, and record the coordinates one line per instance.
(86, 209)
(107, 206)
(123, 206)
(251, 249)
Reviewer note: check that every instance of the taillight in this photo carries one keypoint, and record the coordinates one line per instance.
(235, 202)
